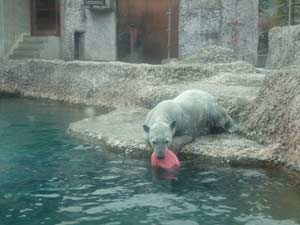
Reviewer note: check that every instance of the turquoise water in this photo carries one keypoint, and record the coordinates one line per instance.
(46, 177)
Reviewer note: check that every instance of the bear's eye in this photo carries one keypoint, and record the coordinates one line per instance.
(154, 142)
(165, 141)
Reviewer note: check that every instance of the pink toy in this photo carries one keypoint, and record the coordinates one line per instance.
(169, 162)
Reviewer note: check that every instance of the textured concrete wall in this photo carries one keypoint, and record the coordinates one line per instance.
(229, 23)
(72, 20)
(247, 31)
(100, 36)
(274, 117)
(199, 25)
(284, 47)
(15, 20)
(104, 83)
(98, 28)
(239, 29)
(51, 48)
(1, 30)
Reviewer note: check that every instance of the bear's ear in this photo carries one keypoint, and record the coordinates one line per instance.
(146, 128)
(173, 126)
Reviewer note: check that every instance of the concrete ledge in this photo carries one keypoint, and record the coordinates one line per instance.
(121, 131)
(109, 84)
(129, 86)
(233, 149)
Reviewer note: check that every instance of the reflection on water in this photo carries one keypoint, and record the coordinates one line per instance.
(48, 178)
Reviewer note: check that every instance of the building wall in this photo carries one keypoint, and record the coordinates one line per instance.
(1, 31)
(15, 22)
(100, 36)
(98, 29)
(199, 25)
(284, 47)
(229, 23)
(240, 28)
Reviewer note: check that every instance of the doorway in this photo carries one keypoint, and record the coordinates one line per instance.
(147, 30)
(45, 17)
(79, 45)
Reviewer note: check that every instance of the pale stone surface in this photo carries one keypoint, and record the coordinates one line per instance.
(228, 23)
(284, 45)
(199, 25)
(209, 54)
(274, 117)
(121, 131)
(230, 148)
(107, 84)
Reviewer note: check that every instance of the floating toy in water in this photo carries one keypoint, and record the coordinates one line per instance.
(169, 162)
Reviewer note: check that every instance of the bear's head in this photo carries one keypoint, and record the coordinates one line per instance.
(160, 137)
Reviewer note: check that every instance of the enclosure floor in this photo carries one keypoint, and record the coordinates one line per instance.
(121, 131)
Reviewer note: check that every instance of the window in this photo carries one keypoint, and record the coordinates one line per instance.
(93, 3)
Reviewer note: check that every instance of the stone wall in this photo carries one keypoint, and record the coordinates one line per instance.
(101, 31)
(274, 118)
(247, 30)
(109, 84)
(229, 23)
(284, 46)
(98, 28)
(72, 20)
(199, 25)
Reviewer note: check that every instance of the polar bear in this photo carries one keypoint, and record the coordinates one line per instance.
(177, 122)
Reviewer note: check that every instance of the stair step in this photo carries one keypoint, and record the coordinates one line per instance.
(16, 57)
(28, 40)
(30, 46)
(25, 52)
(33, 41)
(33, 38)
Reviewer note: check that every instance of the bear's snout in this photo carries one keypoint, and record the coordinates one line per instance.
(160, 153)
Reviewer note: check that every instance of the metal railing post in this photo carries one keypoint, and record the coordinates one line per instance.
(290, 12)
(169, 14)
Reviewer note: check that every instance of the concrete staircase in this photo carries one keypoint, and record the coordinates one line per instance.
(29, 48)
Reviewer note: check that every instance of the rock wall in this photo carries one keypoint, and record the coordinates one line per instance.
(274, 118)
(284, 46)
(229, 23)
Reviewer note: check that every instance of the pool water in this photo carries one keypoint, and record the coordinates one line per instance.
(46, 177)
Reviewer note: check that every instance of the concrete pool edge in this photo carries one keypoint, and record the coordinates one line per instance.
(115, 84)
(106, 131)
(118, 84)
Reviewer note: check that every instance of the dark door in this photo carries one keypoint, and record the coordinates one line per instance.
(151, 19)
(45, 17)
